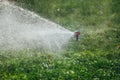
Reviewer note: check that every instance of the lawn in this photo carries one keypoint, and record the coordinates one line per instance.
(94, 57)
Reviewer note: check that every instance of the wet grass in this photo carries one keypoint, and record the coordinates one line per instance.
(94, 57)
(90, 65)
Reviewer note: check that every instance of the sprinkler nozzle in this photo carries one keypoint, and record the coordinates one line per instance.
(76, 34)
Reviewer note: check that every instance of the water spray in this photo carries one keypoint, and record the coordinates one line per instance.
(21, 29)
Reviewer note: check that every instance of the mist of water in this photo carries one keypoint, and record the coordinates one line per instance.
(23, 29)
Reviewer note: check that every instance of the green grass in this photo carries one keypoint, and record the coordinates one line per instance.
(94, 57)
(90, 65)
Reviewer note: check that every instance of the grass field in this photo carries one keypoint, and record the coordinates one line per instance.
(96, 56)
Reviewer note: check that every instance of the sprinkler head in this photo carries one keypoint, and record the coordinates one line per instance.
(76, 34)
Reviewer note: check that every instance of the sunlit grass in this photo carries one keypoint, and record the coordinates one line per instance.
(94, 57)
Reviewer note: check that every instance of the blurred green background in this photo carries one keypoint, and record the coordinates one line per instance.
(94, 57)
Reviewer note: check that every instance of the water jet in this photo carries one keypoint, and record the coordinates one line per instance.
(23, 29)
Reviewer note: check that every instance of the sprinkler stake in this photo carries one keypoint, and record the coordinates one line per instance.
(76, 34)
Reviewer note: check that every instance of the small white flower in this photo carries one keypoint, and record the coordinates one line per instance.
(58, 9)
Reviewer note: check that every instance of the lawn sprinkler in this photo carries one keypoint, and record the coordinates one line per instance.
(76, 34)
